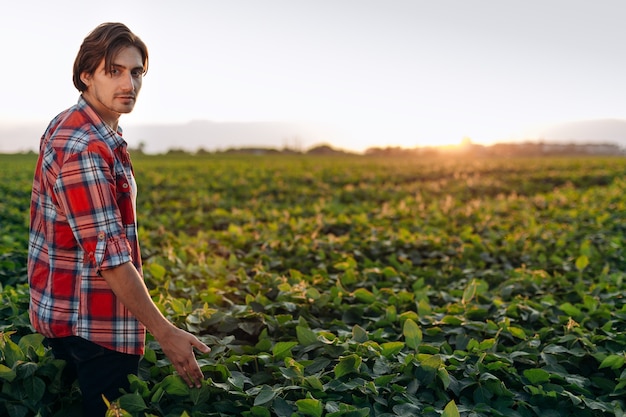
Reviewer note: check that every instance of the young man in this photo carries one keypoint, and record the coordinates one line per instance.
(88, 296)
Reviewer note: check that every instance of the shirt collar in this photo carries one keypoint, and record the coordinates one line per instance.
(112, 138)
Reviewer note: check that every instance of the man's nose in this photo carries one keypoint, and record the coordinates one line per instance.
(128, 82)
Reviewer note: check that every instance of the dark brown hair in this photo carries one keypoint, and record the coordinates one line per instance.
(104, 42)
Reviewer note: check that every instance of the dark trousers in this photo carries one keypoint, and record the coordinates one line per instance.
(100, 371)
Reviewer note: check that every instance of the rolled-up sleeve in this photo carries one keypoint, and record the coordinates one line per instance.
(86, 194)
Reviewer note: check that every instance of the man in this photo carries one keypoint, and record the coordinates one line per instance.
(88, 296)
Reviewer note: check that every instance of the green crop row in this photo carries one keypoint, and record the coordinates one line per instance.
(357, 286)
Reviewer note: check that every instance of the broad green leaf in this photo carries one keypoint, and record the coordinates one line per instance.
(451, 320)
(613, 362)
(281, 408)
(174, 385)
(451, 410)
(486, 344)
(310, 407)
(313, 293)
(237, 379)
(364, 295)
(34, 341)
(469, 292)
(444, 377)
(517, 332)
(281, 350)
(25, 369)
(424, 308)
(391, 348)
(7, 373)
(537, 376)
(35, 388)
(264, 396)
(12, 352)
(570, 310)
(258, 411)
(391, 313)
(585, 248)
(349, 263)
(412, 334)
(430, 362)
(157, 271)
(582, 262)
(150, 355)
(347, 364)
(306, 336)
(348, 277)
(314, 382)
(359, 334)
(132, 403)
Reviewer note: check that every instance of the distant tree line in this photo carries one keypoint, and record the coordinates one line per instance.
(504, 149)
(467, 148)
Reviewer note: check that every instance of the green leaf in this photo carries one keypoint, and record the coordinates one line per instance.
(35, 388)
(613, 362)
(347, 364)
(391, 348)
(133, 403)
(306, 336)
(157, 271)
(150, 355)
(200, 395)
(174, 385)
(364, 295)
(470, 292)
(359, 334)
(451, 410)
(487, 344)
(412, 334)
(281, 408)
(430, 362)
(7, 373)
(264, 396)
(582, 262)
(258, 411)
(12, 352)
(16, 410)
(314, 382)
(444, 377)
(310, 407)
(537, 376)
(26, 369)
(32, 341)
(282, 350)
(517, 332)
(570, 310)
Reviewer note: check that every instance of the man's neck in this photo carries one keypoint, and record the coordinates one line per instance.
(110, 118)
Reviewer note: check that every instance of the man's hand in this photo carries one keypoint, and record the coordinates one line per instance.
(178, 346)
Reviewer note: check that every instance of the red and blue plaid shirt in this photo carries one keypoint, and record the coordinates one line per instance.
(82, 221)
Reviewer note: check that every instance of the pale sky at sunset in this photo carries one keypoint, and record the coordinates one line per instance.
(372, 72)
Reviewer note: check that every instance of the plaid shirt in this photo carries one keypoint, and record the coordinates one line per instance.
(82, 221)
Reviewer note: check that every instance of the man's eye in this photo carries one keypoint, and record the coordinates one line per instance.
(114, 71)
(137, 74)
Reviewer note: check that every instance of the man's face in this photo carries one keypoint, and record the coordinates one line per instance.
(113, 91)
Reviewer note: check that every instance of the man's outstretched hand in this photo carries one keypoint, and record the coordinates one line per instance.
(178, 346)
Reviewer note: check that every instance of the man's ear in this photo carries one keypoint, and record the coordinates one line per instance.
(85, 77)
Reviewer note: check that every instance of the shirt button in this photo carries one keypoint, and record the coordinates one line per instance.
(125, 185)
(101, 236)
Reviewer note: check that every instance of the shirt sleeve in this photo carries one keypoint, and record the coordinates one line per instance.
(86, 192)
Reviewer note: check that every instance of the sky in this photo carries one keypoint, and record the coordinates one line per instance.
(364, 72)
